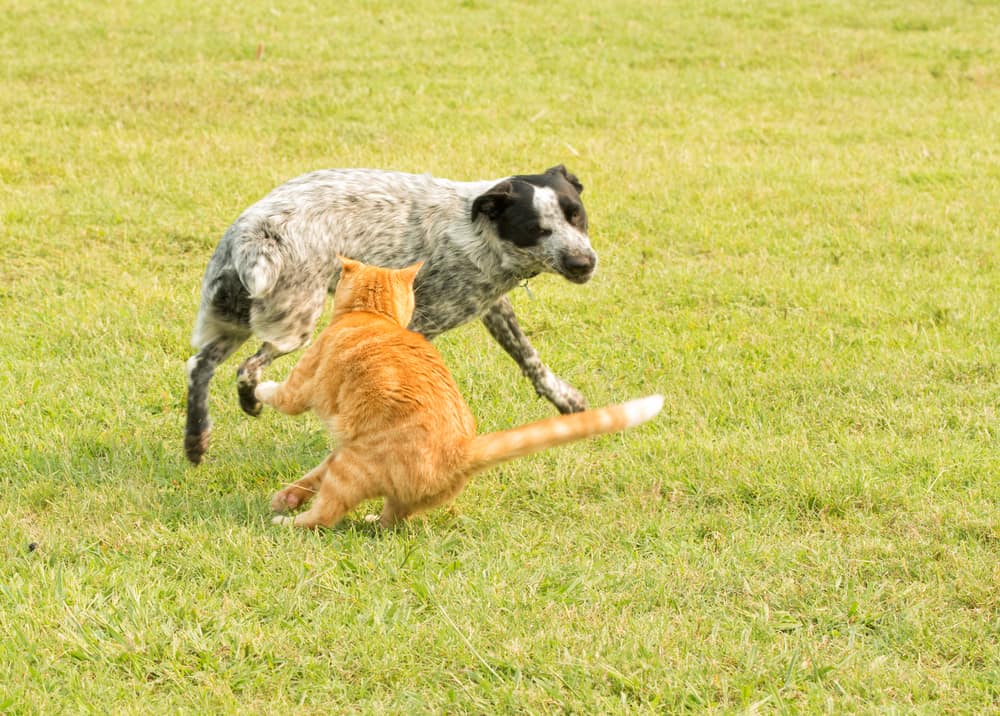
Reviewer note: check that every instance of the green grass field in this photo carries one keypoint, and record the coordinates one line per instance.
(796, 209)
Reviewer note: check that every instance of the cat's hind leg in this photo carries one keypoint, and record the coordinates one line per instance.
(300, 491)
(392, 512)
(395, 510)
(348, 480)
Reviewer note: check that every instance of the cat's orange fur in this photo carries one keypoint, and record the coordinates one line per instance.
(405, 432)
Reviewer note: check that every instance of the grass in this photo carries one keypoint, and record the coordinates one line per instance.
(795, 205)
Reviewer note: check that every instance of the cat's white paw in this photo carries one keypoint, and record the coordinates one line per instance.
(264, 392)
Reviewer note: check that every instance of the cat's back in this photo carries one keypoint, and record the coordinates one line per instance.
(394, 375)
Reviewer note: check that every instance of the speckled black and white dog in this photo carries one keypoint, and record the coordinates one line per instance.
(272, 270)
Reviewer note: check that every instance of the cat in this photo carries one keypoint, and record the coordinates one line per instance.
(404, 431)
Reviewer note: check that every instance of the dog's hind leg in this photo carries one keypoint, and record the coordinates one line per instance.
(285, 322)
(248, 376)
(502, 324)
(200, 369)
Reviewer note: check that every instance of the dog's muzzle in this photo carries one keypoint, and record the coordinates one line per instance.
(578, 266)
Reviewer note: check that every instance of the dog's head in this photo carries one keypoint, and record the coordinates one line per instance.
(542, 215)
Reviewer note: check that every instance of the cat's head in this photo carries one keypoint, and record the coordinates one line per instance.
(387, 292)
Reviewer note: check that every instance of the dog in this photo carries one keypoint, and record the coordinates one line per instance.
(271, 271)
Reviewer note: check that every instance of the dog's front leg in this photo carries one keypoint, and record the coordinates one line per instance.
(502, 324)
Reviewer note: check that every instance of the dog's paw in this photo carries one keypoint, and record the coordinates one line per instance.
(371, 518)
(561, 394)
(571, 401)
(245, 386)
(283, 520)
(195, 445)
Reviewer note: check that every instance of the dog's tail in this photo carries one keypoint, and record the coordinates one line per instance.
(259, 259)
(494, 448)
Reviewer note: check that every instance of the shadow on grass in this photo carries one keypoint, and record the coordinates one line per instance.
(151, 481)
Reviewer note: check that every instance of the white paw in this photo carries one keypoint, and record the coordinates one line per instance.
(265, 391)
(371, 518)
(282, 520)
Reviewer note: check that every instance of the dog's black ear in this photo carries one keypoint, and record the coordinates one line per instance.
(494, 201)
(571, 178)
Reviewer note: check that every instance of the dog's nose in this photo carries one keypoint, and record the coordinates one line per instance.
(580, 264)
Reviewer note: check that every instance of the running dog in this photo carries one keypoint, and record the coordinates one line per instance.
(271, 271)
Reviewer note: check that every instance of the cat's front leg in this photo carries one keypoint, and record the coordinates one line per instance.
(280, 397)
(290, 397)
(265, 392)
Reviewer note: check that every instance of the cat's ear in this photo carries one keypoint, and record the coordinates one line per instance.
(348, 265)
(409, 273)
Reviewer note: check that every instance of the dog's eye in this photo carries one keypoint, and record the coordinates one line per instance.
(544, 233)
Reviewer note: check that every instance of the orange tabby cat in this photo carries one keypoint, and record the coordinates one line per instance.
(405, 432)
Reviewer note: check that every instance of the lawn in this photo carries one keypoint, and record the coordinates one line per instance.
(797, 211)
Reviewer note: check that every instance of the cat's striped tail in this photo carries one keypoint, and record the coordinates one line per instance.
(493, 448)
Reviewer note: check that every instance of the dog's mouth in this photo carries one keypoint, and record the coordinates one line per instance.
(578, 278)
(578, 267)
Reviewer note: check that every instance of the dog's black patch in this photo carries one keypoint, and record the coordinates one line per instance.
(573, 211)
(510, 205)
(230, 299)
(517, 221)
(567, 188)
